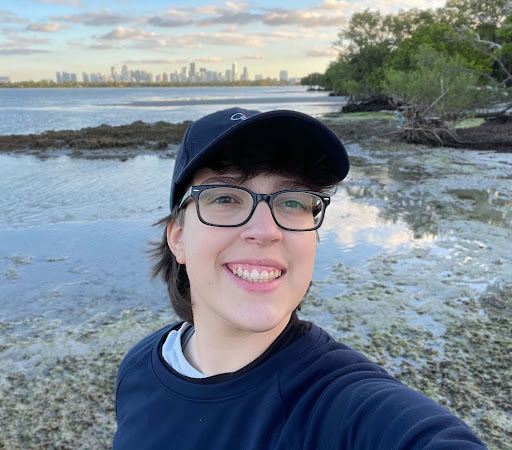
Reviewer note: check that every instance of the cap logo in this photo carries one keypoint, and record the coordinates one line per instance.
(238, 116)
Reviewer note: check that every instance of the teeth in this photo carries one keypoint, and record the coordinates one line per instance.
(255, 276)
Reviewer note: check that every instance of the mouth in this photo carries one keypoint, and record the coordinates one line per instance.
(255, 273)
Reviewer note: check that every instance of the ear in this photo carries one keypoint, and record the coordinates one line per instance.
(175, 241)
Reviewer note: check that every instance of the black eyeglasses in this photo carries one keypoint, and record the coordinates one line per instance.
(233, 206)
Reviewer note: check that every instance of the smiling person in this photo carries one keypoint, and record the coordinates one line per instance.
(241, 370)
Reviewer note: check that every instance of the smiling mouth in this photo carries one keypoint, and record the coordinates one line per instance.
(255, 275)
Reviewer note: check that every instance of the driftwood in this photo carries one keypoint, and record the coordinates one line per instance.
(492, 135)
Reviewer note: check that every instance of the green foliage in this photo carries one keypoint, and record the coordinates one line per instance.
(435, 86)
(313, 79)
(444, 39)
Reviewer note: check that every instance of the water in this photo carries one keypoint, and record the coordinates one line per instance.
(74, 232)
(25, 111)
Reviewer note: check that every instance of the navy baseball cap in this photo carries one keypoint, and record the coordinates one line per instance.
(207, 134)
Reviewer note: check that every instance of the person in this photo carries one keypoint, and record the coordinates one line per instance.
(240, 370)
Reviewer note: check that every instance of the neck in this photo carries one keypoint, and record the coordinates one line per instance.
(215, 349)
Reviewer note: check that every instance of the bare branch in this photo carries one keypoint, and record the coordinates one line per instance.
(438, 98)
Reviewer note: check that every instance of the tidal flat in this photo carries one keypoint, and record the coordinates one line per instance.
(432, 304)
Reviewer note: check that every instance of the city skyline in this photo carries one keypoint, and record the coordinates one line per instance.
(39, 37)
(190, 74)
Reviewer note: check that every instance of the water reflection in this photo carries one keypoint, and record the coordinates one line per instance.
(401, 207)
(354, 231)
(486, 205)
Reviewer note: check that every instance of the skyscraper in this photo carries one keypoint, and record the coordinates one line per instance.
(234, 72)
(192, 72)
(125, 75)
(245, 75)
(283, 76)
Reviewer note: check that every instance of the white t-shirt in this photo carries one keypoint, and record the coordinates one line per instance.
(173, 354)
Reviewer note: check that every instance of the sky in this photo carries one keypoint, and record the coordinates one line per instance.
(41, 37)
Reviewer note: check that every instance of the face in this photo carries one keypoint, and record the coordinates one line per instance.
(248, 278)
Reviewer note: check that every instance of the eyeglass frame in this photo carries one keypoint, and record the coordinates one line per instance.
(195, 191)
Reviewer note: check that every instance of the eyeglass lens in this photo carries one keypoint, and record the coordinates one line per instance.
(231, 206)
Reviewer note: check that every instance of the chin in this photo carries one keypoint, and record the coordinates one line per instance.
(261, 322)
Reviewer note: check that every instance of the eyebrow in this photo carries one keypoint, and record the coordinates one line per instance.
(219, 179)
(234, 180)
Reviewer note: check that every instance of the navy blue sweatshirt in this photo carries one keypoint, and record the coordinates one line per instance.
(313, 394)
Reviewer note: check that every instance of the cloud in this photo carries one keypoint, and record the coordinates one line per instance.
(62, 2)
(322, 53)
(210, 59)
(238, 6)
(101, 18)
(229, 18)
(122, 33)
(47, 27)
(335, 5)
(19, 42)
(155, 61)
(151, 40)
(257, 57)
(21, 51)
(306, 18)
(8, 17)
(169, 21)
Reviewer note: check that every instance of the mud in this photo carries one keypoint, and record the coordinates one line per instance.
(161, 137)
(102, 140)
(129, 140)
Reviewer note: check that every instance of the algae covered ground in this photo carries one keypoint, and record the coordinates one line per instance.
(434, 306)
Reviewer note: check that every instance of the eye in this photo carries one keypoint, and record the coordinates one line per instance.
(222, 196)
(292, 204)
(223, 199)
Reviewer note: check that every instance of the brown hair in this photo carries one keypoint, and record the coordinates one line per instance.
(247, 160)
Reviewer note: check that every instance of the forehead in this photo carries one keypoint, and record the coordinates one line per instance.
(273, 181)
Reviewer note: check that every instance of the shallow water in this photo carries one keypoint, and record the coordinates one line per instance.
(413, 269)
(73, 235)
(25, 111)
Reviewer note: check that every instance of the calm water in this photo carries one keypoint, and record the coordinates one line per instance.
(24, 111)
(73, 235)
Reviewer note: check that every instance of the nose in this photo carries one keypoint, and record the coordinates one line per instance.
(261, 227)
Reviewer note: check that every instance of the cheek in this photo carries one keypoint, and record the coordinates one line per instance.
(305, 250)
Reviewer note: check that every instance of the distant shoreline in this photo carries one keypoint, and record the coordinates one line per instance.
(115, 84)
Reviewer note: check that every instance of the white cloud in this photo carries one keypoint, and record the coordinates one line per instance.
(155, 61)
(47, 27)
(322, 53)
(238, 6)
(8, 17)
(21, 51)
(335, 5)
(100, 18)
(257, 57)
(308, 18)
(211, 59)
(123, 33)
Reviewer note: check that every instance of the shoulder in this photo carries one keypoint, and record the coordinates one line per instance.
(379, 412)
(141, 350)
(344, 391)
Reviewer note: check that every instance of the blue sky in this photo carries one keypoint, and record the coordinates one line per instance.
(40, 37)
